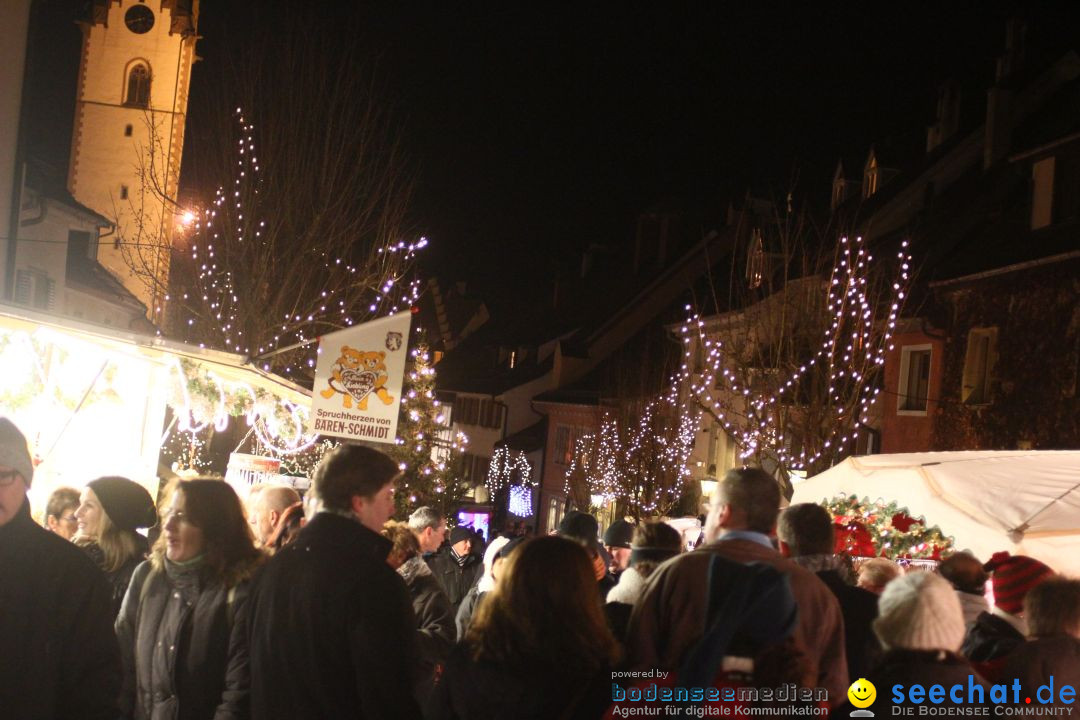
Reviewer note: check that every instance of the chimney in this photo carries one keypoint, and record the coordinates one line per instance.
(999, 98)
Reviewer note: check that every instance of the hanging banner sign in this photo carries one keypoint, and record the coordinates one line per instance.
(358, 380)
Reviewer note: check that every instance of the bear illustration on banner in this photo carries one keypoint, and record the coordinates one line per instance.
(356, 375)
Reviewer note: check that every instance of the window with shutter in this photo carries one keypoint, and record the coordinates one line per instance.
(23, 286)
(914, 379)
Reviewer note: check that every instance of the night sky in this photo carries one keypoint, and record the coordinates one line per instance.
(536, 129)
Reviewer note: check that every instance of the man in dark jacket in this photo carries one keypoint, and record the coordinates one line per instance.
(332, 631)
(806, 536)
(456, 567)
(58, 654)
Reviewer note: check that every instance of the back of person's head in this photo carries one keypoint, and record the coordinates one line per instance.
(965, 573)
(806, 529)
(1053, 608)
(753, 497)
(278, 498)
(876, 573)
(544, 612)
(920, 611)
(652, 544)
(580, 526)
(406, 546)
(425, 517)
(288, 528)
(351, 470)
(214, 508)
(1013, 577)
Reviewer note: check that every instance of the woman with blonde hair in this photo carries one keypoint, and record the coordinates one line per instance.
(538, 646)
(110, 511)
(184, 655)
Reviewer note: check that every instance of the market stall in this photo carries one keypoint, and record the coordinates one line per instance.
(1023, 501)
(94, 401)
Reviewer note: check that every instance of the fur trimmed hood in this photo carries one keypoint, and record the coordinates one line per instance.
(629, 587)
(414, 568)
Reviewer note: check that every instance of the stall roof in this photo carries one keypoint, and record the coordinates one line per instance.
(232, 367)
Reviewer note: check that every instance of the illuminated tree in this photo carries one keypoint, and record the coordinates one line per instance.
(299, 222)
(429, 454)
(638, 458)
(790, 366)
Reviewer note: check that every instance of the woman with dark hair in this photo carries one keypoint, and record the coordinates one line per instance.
(109, 512)
(184, 656)
(538, 646)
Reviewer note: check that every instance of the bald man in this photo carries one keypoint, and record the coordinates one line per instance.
(268, 507)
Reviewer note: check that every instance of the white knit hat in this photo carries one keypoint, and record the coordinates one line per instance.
(920, 611)
(487, 582)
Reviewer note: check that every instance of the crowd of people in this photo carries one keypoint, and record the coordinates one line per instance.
(238, 609)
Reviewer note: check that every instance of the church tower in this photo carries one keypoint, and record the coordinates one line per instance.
(134, 78)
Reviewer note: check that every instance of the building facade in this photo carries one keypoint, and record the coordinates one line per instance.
(128, 135)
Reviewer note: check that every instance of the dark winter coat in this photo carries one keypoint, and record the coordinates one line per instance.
(456, 579)
(989, 642)
(435, 630)
(467, 609)
(859, 608)
(58, 654)
(185, 656)
(920, 667)
(120, 578)
(333, 633)
(471, 689)
(1038, 660)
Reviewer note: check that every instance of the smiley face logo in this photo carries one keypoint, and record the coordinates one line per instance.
(862, 693)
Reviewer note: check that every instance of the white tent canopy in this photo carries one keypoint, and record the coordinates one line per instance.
(1023, 501)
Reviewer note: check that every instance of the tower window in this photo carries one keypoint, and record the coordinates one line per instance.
(138, 86)
(123, 192)
(127, 130)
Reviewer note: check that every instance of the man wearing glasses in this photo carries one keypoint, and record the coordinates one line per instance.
(58, 653)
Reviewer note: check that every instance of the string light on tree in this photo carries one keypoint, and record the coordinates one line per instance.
(770, 409)
(638, 457)
(231, 292)
(508, 468)
(429, 454)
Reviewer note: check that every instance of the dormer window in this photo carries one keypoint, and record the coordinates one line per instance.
(138, 86)
(870, 176)
(837, 193)
(755, 261)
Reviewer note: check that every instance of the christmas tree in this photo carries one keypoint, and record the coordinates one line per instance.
(429, 453)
